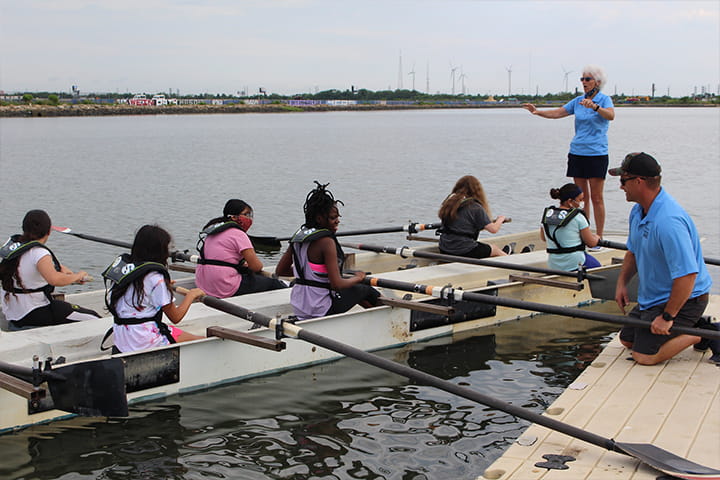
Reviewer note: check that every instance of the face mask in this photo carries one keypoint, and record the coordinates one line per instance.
(244, 222)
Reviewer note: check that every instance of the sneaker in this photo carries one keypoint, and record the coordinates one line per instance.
(704, 343)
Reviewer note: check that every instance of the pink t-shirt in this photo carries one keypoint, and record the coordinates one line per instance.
(216, 280)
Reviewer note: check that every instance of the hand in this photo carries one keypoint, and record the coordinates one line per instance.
(588, 103)
(660, 326)
(500, 219)
(621, 297)
(529, 107)
(195, 293)
(82, 277)
(359, 275)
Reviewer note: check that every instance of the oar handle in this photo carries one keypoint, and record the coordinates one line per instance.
(621, 246)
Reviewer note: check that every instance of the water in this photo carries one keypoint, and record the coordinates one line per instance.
(108, 176)
(333, 421)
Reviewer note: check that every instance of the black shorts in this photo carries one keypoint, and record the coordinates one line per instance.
(254, 282)
(56, 313)
(481, 250)
(587, 166)
(644, 341)
(347, 298)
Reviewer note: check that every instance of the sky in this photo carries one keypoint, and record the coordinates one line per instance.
(297, 46)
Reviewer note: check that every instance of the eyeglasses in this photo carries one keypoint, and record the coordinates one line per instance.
(624, 180)
(586, 79)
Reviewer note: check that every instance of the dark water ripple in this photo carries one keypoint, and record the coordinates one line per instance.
(341, 420)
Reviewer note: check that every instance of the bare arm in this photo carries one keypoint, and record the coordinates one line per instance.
(550, 113)
(588, 237)
(253, 262)
(606, 113)
(627, 271)
(284, 266)
(494, 227)
(177, 312)
(681, 290)
(329, 255)
(58, 279)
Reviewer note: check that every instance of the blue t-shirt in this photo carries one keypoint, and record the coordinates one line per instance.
(590, 128)
(568, 236)
(666, 246)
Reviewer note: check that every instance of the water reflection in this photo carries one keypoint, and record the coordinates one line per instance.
(333, 421)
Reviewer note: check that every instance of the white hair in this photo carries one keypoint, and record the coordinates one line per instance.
(597, 73)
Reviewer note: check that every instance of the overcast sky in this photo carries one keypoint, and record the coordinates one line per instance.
(295, 46)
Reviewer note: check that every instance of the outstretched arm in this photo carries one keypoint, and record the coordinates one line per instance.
(559, 112)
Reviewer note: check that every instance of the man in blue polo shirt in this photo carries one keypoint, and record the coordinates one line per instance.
(664, 250)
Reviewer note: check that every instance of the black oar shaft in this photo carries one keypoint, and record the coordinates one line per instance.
(472, 261)
(411, 373)
(622, 246)
(531, 306)
(107, 241)
(410, 228)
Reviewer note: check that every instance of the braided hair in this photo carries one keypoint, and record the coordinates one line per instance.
(319, 202)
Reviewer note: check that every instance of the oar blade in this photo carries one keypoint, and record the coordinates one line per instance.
(61, 229)
(668, 462)
(91, 389)
(604, 288)
(265, 243)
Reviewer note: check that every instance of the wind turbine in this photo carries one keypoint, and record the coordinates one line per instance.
(400, 74)
(427, 78)
(452, 76)
(509, 70)
(566, 72)
(412, 72)
(462, 80)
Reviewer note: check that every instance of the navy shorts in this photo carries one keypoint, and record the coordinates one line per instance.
(648, 343)
(587, 166)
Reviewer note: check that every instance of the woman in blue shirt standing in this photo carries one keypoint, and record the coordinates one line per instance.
(588, 157)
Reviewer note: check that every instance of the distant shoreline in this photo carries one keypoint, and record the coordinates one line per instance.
(91, 110)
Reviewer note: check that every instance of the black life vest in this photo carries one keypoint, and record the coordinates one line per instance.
(309, 235)
(121, 273)
(214, 230)
(14, 249)
(559, 217)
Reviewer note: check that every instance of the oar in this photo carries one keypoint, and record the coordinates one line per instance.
(459, 295)
(410, 228)
(622, 246)
(409, 252)
(654, 456)
(176, 255)
(92, 389)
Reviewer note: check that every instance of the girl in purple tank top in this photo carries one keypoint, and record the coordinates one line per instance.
(316, 259)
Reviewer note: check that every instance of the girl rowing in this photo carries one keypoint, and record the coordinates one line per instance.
(228, 263)
(464, 213)
(316, 259)
(29, 272)
(140, 293)
(567, 231)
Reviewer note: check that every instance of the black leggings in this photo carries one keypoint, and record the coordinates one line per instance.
(253, 282)
(56, 313)
(347, 298)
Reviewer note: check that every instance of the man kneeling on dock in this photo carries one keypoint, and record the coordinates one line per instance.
(664, 250)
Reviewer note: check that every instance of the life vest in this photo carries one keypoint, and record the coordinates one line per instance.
(121, 273)
(214, 229)
(559, 217)
(14, 249)
(309, 235)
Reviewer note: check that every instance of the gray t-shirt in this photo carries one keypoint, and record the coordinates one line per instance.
(463, 232)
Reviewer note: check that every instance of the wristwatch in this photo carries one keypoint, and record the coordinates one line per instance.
(667, 317)
(597, 107)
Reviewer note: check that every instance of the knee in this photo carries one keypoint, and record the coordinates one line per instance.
(626, 344)
(643, 359)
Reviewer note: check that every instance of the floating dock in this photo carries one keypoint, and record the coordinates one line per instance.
(674, 405)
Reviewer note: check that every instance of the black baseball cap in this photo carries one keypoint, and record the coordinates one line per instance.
(637, 163)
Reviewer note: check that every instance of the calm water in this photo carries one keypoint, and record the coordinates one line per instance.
(108, 176)
(334, 421)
